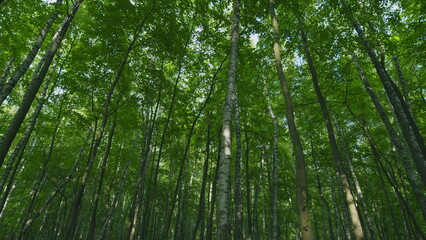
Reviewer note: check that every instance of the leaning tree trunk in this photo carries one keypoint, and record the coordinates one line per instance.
(399, 147)
(301, 186)
(369, 230)
(35, 84)
(25, 65)
(42, 177)
(408, 125)
(92, 226)
(71, 225)
(356, 222)
(6, 72)
(58, 188)
(223, 225)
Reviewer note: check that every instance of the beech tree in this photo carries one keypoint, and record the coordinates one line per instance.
(196, 119)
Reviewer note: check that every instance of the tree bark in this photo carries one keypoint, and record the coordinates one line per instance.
(92, 226)
(223, 225)
(399, 147)
(301, 185)
(58, 188)
(356, 223)
(369, 230)
(199, 223)
(42, 175)
(25, 65)
(408, 125)
(6, 72)
(35, 84)
(323, 199)
(274, 192)
(238, 225)
(248, 189)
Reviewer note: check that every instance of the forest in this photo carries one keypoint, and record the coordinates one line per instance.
(212, 119)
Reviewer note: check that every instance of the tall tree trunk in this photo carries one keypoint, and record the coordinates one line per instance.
(35, 84)
(17, 154)
(42, 176)
(6, 72)
(210, 222)
(408, 125)
(25, 65)
(301, 185)
(201, 211)
(59, 187)
(356, 223)
(256, 199)
(399, 147)
(223, 225)
(274, 192)
(72, 220)
(248, 189)
(323, 199)
(238, 230)
(402, 83)
(106, 229)
(369, 231)
(135, 217)
(202, 201)
(183, 162)
(92, 226)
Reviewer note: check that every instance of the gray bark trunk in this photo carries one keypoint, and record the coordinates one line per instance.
(356, 223)
(223, 225)
(35, 84)
(301, 185)
(405, 119)
(238, 232)
(399, 147)
(25, 65)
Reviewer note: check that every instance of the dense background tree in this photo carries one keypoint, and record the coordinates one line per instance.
(130, 119)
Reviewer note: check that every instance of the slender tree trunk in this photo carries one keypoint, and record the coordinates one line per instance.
(399, 147)
(202, 201)
(6, 72)
(223, 225)
(391, 180)
(408, 125)
(58, 188)
(201, 211)
(116, 199)
(323, 199)
(210, 222)
(72, 220)
(301, 185)
(248, 189)
(42, 176)
(256, 199)
(17, 154)
(356, 223)
(274, 192)
(144, 164)
(25, 65)
(35, 84)
(182, 165)
(403, 83)
(92, 226)
(369, 231)
(238, 225)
